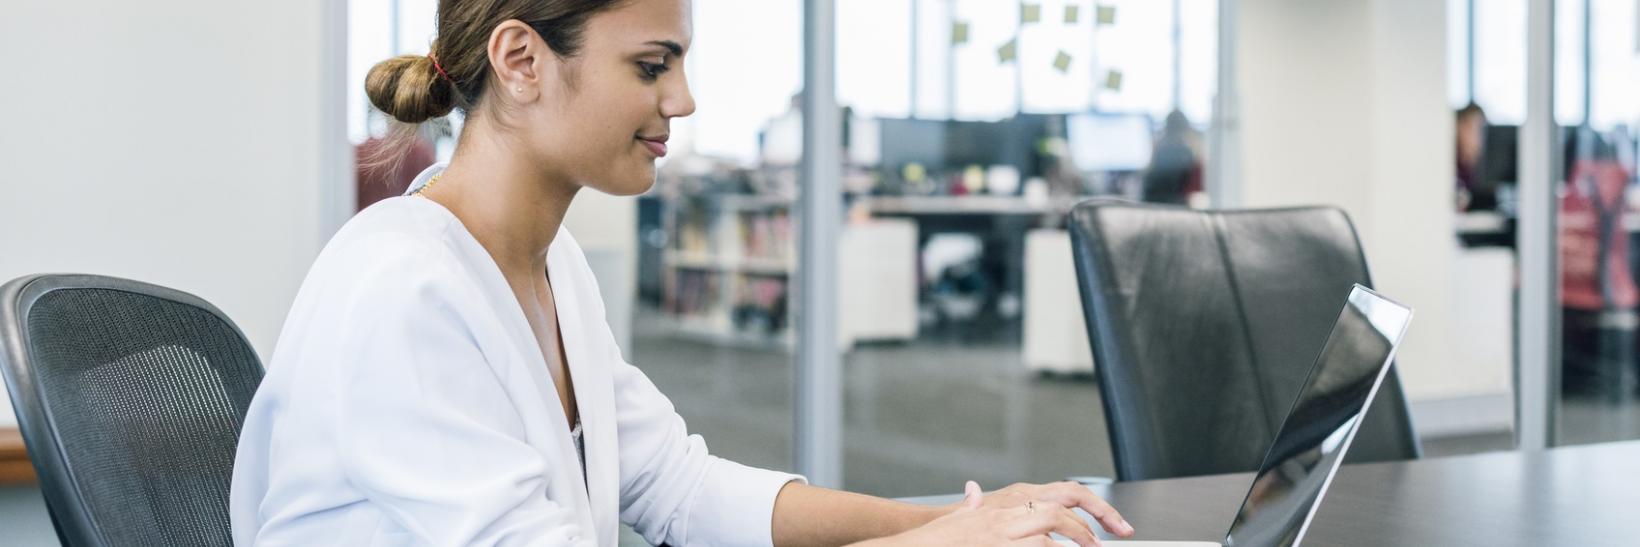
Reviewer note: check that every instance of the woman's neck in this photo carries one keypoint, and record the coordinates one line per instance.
(512, 207)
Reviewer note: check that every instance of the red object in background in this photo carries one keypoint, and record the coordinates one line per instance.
(392, 179)
(1594, 196)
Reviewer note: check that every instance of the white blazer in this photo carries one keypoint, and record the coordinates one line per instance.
(408, 403)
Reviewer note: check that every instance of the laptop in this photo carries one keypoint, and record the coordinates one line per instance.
(1318, 428)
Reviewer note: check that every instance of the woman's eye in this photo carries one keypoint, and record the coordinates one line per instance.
(652, 70)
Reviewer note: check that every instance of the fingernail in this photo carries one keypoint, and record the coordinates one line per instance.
(1127, 528)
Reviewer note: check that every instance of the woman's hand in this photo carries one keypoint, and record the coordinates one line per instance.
(1067, 494)
(997, 521)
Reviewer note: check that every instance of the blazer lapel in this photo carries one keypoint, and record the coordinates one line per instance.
(594, 392)
(542, 413)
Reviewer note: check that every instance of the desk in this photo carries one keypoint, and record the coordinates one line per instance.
(14, 464)
(1000, 222)
(1489, 223)
(1586, 496)
(978, 204)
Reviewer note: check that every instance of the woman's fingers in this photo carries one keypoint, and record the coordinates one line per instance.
(1102, 511)
(1039, 518)
(1072, 494)
(972, 497)
(1082, 534)
(1062, 498)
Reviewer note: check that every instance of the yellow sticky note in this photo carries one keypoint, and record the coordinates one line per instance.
(959, 33)
(1030, 13)
(1106, 15)
(1113, 80)
(1006, 52)
(1062, 61)
(1073, 12)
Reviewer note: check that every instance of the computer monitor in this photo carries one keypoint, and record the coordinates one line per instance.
(1012, 141)
(864, 143)
(975, 143)
(1110, 142)
(905, 141)
(1497, 166)
(947, 145)
(782, 140)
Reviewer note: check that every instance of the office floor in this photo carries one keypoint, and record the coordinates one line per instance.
(919, 418)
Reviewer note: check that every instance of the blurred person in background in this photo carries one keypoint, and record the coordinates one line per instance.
(1598, 291)
(1470, 134)
(384, 164)
(1175, 171)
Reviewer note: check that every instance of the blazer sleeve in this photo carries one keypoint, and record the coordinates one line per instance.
(672, 490)
(426, 431)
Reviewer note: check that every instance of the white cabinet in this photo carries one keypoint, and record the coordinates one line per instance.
(1056, 336)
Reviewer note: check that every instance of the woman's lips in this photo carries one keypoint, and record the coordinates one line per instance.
(656, 146)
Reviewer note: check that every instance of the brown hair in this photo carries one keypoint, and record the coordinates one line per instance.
(411, 90)
(1471, 109)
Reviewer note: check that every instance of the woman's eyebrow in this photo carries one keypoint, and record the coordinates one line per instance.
(671, 46)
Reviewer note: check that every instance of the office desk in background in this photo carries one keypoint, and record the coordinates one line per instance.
(1490, 223)
(1585, 496)
(980, 204)
(15, 468)
(1000, 222)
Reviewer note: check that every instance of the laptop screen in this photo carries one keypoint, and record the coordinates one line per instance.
(1321, 423)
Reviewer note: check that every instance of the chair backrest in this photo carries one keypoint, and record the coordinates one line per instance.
(130, 398)
(1204, 325)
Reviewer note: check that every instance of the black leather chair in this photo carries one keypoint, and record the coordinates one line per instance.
(130, 398)
(1204, 325)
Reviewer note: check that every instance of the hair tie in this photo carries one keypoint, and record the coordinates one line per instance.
(440, 69)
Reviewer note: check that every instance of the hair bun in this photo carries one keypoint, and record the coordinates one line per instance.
(409, 89)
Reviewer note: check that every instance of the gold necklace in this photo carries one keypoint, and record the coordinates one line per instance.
(430, 183)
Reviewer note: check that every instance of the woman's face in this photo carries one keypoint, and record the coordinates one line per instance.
(1471, 132)
(606, 118)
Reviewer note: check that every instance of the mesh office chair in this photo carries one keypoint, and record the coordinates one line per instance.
(130, 398)
(1204, 325)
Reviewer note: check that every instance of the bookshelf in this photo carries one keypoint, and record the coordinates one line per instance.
(729, 268)
(727, 272)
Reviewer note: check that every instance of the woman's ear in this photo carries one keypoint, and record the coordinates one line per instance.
(517, 55)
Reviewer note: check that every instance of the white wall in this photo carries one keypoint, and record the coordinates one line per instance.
(1344, 103)
(182, 143)
(1411, 202)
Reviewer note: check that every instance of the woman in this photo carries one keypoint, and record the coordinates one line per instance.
(446, 377)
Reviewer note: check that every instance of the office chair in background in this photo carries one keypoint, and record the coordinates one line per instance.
(1204, 325)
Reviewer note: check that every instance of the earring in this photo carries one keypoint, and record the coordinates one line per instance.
(518, 89)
